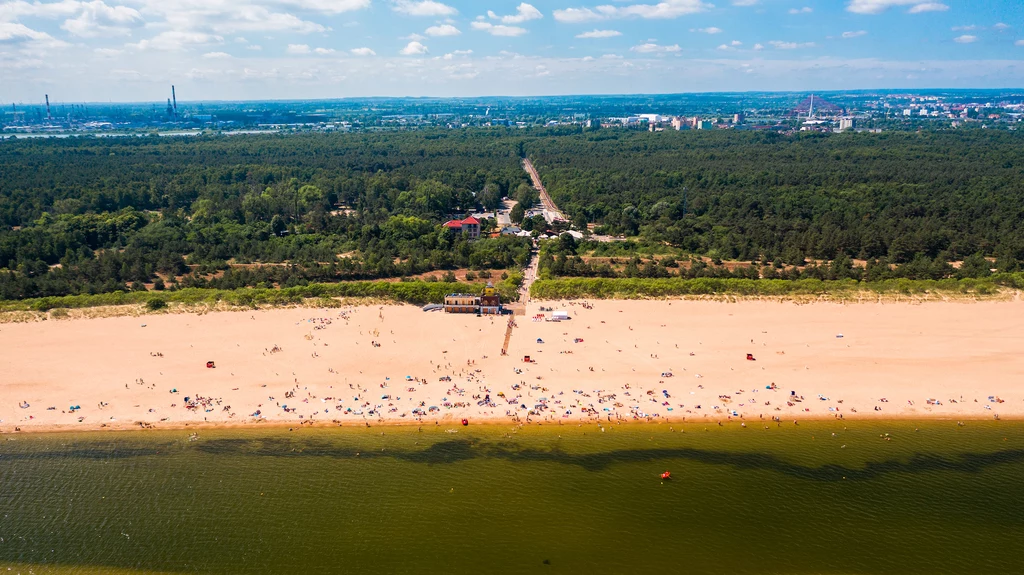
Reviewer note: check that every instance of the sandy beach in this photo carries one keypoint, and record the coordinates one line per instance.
(613, 361)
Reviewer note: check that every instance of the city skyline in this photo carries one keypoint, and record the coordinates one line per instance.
(131, 50)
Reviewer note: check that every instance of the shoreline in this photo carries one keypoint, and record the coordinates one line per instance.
(672, 361)
(281, 425)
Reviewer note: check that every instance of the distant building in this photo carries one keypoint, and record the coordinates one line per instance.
(487, 303)
(703, 125)
(847, 124)
(738, 118)
(470, 226)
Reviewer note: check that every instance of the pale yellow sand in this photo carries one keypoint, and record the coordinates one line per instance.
(905, 353)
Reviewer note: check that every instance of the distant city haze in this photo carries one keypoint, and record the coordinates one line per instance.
(133, 50)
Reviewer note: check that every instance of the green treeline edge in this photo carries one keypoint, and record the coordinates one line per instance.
(417, 292)
(626, 288)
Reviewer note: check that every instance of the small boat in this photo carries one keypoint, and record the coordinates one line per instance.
(666, 475)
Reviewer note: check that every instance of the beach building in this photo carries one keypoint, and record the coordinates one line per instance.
(461, 303)
(487, 303)
(490, 301)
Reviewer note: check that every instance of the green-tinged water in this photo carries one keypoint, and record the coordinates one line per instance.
(790, 499)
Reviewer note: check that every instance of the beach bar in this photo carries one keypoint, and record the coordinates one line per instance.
(487, 303)
(461, 303)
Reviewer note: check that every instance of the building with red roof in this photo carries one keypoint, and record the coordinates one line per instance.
(470, 226)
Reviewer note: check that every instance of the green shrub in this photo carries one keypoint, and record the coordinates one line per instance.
(155, 303)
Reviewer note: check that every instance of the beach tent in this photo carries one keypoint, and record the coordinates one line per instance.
(560, 315)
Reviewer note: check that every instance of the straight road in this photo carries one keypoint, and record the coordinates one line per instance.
(551, 211)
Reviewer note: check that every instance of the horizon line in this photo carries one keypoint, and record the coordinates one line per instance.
(4, 103)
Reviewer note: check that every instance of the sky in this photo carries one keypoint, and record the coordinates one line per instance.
(133, 50)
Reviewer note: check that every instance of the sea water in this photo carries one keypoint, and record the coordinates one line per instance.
(826, 497)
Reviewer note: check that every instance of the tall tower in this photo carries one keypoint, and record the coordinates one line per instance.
(48, 107)
(175, 98)
(810, 109)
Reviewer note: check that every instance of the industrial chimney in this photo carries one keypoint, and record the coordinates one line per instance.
(48, 107)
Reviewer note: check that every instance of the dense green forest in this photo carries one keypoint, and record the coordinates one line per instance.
(93, 216)
(99, 215)
(747, 195)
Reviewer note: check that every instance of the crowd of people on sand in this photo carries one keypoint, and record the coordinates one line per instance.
(467, 392)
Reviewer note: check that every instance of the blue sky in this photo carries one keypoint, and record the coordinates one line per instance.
(132, 50)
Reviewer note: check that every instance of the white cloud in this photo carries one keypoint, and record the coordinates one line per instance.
(99, 19)
(452, 55)
(413, 49)
(744, 2)
(790, 45)
(1019, 43)
(524, 13)
(965, 39)
(855, 34)
(1000, 26)
(964, 28)
(85, 19)
(879, 6)
(217, 17)
(709, 30)
(651, 48)
(804, 10)
(15, 9)
(726, 47)
(14, 31)
(216, 55)
(928, 7)
(443, 30)
(297, 49)
(423, 8)
(413, 37)
(498, 29)
(324, 51)
(328, 6)
(759, 46)
(576, 15)
(33, 42)
(362, 52)
(662, 10)
(600, 34)
(174, 40)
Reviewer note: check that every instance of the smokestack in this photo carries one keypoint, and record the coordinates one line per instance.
(47, 106)
(175, 98)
